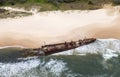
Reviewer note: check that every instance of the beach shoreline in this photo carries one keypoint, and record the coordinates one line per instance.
(57, 26)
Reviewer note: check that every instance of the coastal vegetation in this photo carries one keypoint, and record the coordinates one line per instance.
(48, 5)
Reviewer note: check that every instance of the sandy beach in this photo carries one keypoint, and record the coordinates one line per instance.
(57, 26)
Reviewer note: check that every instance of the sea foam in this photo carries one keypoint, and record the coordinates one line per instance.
(107, 47)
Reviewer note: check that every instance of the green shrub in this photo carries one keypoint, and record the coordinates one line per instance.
(2, 2)
(116, 1)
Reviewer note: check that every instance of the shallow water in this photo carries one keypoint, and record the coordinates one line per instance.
(105, 62)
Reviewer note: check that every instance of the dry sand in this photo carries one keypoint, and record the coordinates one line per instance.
(56, 26)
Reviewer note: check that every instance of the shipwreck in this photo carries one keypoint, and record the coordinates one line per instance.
(55, 48)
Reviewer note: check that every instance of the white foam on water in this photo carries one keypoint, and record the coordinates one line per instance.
(28, 68)
(109, 54)
(56, 67)
(11, 69)
(28, 58)
(107, 47)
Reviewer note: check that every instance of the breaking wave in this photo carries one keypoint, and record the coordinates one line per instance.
(107, 47)
(98, 59)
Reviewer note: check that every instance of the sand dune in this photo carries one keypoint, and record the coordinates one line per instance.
(56, 26)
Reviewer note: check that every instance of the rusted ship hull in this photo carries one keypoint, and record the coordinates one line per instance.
(55, 48)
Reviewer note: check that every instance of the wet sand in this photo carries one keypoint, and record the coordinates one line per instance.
(56, 26)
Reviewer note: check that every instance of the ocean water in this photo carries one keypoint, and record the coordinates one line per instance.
(98, 59)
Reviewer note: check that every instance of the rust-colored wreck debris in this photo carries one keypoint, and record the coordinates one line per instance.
(55, 48)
